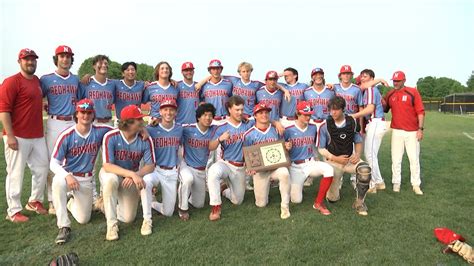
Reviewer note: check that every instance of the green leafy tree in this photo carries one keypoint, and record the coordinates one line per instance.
(145, 72)
(470, 83)
(432, 87)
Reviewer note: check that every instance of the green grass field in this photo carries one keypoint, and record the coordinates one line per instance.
(398, 230)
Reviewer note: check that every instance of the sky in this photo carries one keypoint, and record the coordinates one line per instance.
(420, 37)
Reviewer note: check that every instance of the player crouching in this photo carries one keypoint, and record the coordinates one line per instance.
(72, 163)
(263, 132)
(302, 136)
(120, 176)
(341, 144)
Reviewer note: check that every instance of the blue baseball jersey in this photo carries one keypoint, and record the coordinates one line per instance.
(232, 148)
(246, 91)
(188, 102)
(324, 137)
(255, 136)
(156, 94)
(166, 142)
(101, 94)
(372, 96)
(297, 94)
(218, 95)
(302, 141)
(272, 100)
(76, 152)
(125, 95)
(117, 150)
(352, 95)
(319, 102)
(61, 92)
(196, 145)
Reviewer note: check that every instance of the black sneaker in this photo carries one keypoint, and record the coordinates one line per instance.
(63, 235)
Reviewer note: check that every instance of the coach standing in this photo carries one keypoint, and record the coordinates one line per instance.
(21, 113)
(408, 115)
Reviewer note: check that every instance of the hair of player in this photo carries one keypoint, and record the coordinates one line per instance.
(246, 65)
(292, 70)
(55, 60)
(204, 108)
(234, 100)
(74, 116)
(100, 58)
(337, 103)
(125, 124)
(369, 72)
(127, 64)
(157, 68)
(311, 83)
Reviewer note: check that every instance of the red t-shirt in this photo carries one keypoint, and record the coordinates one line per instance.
(23, 99)
(406, 105)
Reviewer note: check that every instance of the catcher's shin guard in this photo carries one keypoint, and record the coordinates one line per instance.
(464, 250)
(363, 176)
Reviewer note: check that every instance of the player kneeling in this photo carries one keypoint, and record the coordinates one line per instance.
(263, 132)
(192, 171)
(120, 176)
(72, 163)
(302, 136)
(341, 144)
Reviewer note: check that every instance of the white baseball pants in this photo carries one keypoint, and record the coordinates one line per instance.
(375, 131)
(168, 180)
(299, 173)
(234, 177)
(192, 187)
(261, 183)
(402, 140)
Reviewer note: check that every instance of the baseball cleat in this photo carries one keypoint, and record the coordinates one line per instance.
(51, 209)
(248, 187)
(417, 190)
(322, 209)
(112, 233)
(380, 186)
(361, 208)
(396, 188)
(147, 226)
(63, 235)
(183, 215)
(36, 206)
(215, 213)
(308, 182)
(285, 213)
(17, 218)
(372, 190)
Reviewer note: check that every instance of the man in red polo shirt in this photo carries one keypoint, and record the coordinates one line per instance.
(408, 115)
(22, 118)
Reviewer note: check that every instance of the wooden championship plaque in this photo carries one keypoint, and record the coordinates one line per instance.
(266, 156)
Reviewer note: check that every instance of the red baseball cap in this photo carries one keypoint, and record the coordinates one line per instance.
(304, 108)
(271, 75)
(346, 69)
(398, 75)
(25, 52)
(260, 107)
(358, 80)
(85, 105)
(215, 63)
(131, 112)
(168, 103)
(317, 70)
(63, 49)
(187, 65)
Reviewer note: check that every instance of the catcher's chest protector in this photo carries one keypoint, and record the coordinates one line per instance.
(342, 139)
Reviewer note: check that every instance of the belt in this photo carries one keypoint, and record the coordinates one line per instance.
(202, 168)
(89, 174)
(289, 118)
(103, 120)
(166, 167)
(302, 161)
(318, 120)
(218, 118)
(238, 164)
(62, 117)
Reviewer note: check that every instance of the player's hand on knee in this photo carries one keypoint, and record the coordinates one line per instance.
(127, 182)
(72, 183)
(250, 172)
(341, 159)
(354, 159)
(12, 143)
(138, 181)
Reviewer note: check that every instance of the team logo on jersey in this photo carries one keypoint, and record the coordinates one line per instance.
(343, 136)
(404, 98)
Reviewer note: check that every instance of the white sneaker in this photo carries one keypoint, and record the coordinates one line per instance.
(51, 209)
(285, 213)
(112, 233)
(417, 190)
(146, 227)
(396, 188)
(372, 190)
(380, 186)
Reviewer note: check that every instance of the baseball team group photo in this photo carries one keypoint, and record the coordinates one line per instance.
(206, 160)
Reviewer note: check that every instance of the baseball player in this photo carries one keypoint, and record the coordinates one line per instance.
(376, 127)
(166, 137)
(302, 136)
(188, 97)
(161, 90)
(296, 89)
(72, 162)
(340, 143)
(231, 168)
(61, 88)
(127, 90)
(21, 111)
(121, 176)
(408, 115)
(100, 90)
(270, 95)
(192, 174)
(263, 132)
